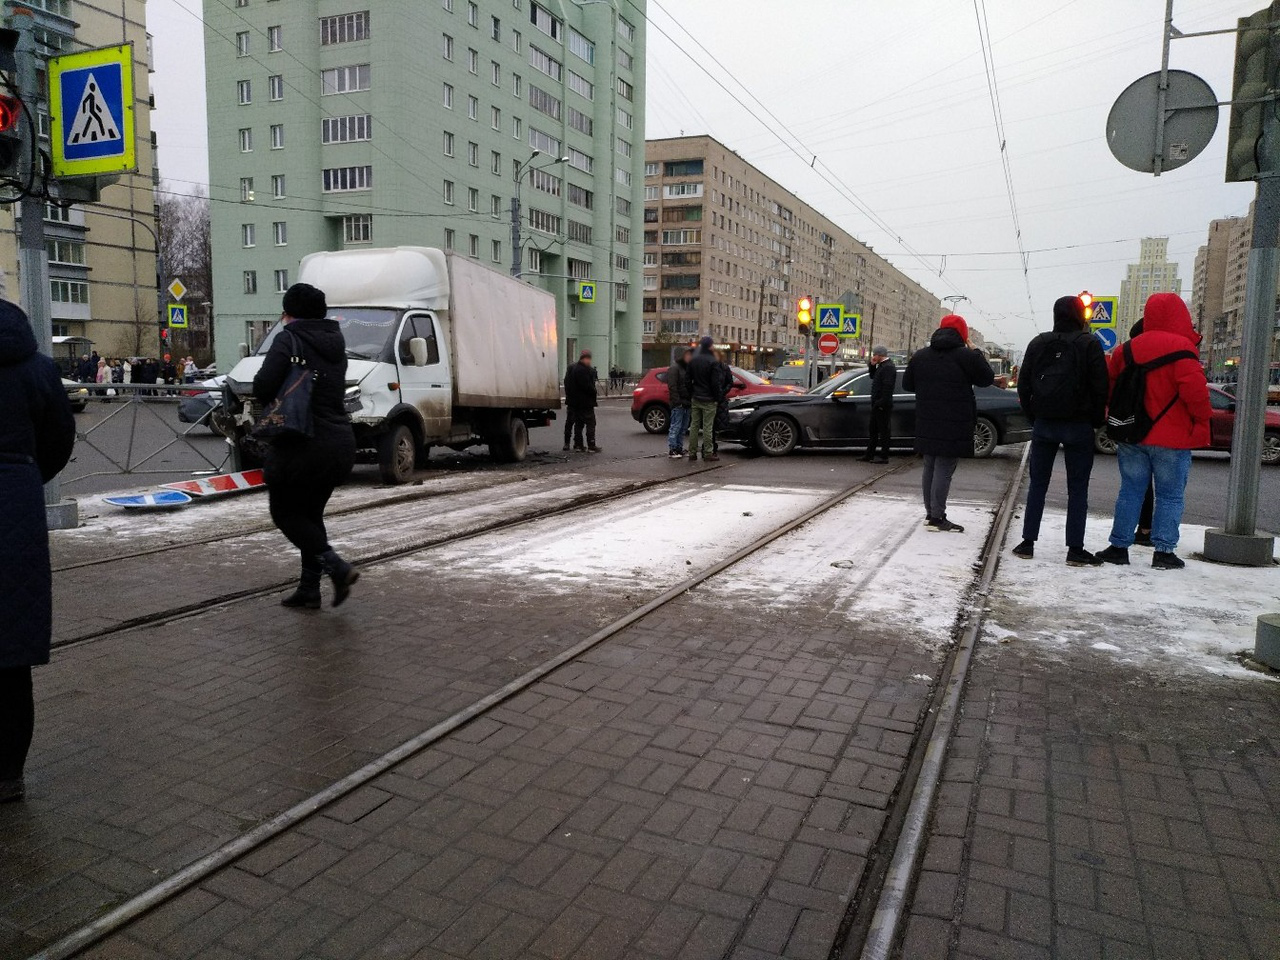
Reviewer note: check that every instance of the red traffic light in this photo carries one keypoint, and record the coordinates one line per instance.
(1086, 301)
(10, 113)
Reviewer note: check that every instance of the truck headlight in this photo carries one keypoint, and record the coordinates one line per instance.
(351, 401)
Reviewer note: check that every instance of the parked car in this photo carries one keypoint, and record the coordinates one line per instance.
(1221, 425)
(790, 375)
(837, 413)
(651, 401)
(198, 405)
(77, 394)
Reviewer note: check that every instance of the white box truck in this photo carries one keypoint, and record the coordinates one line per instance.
(441, 351)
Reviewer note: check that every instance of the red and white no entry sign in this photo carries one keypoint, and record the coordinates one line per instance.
(828, 344)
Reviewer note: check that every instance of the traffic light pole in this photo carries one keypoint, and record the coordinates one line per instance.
(33, 261)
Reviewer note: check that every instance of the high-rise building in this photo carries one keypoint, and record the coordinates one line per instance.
(1218, 294)
(727, 252)
(102, 257)
(417, 122)
(1153, 273)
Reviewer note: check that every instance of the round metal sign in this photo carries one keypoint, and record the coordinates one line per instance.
(1191, 118)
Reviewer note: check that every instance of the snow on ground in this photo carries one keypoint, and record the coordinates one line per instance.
(651, 540)
(871, 562)
(1191, 621)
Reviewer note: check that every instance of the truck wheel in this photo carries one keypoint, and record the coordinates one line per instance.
(656, 418)
(397, 453)
(511, 446)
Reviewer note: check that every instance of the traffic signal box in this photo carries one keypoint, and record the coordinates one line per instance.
(1251, 93)
(804, 314)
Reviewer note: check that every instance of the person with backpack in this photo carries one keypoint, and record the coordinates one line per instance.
(1062, 387)
(1159, 413)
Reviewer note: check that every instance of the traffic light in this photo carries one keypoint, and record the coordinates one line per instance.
(804, 313)
(12, 121)
(1253, 81)
(1086, 301)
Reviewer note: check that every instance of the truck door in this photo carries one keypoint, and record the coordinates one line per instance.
(426, 386)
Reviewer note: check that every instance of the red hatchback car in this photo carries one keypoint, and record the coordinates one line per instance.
(1220, 427)
(651, 403)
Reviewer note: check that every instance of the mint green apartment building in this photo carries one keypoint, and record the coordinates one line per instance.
(335, 124)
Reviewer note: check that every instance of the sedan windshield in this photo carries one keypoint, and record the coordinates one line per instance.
(365, 329)
(748, 377)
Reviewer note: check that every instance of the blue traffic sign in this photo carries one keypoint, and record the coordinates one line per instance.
(587, 292)
(91, 107)
(178, 315)
(1108, 336)
(830, 317)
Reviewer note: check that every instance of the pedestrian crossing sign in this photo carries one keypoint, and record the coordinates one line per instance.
(1104, 313)
(177, 316)
(91, 114)
(587, 292)
(830, 317)
(851, 326)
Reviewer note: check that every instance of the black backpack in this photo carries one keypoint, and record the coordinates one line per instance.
(1127, 417)
(1059, 380)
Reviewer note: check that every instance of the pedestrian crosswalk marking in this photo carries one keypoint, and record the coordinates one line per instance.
(93, 121)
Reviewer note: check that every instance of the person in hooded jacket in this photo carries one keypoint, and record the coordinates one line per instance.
(302, 472)
(942, 376)
(706, 385)
(1063, 389)
(680, 398)
(1177, 399)
(580, 404)
(37, 433)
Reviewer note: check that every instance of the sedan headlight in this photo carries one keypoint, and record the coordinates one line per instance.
(740, 413)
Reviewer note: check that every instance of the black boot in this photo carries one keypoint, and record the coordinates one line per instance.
(307, 595)
(341, 573)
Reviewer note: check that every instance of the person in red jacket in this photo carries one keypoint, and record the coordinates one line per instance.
(1178, 401)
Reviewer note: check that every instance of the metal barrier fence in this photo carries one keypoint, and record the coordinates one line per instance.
(135, 430)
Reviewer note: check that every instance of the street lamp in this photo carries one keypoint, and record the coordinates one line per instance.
(517, 261)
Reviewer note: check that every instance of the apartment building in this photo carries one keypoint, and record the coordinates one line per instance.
(389, 122)
(728, 251)
(102, 257)
(1153, 273)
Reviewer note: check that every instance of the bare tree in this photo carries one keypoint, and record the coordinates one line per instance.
(187, 250)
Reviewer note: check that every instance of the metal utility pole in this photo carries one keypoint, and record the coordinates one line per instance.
(33, 262)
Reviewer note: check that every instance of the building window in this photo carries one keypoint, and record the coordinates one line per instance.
(344, 79)
(544, 102)
(251, 281)
(544, 222)
(621, 291)
(624, 148)
(495, 163)
(277, 136)
(282, 281)
(626, 90)
(622, 234)
(651, 193)
(683, 168)
(473, 63)
(497, 251)
(280, 233)
(447, 4)
(473, 14)
(624, 119)
(626, 29)
(277, 186)
(275, 87)
(682, 190)
(495, 206)
(473, 108)
(346, 129)
(579, 269)
(69, 291)
(579, 232)
(517, 41)
(517, 85)
(517, 128)
(623, 206)
(652, 169)
(247, 235)
(450, 239)
(495, 29)
(581, 46)
(495, 73)
(357, 228)
(65, 251)
(581, 122)
(547, 183)
(546, 63)
(448, 192)
(622, 176)
(582, 197)
(535, 260)
(541, 18)
(446, 50)
(679, 237)
(275, 40)
(581, 86)
(246, 189)
(473, 199)
(242, 44)
(246, 140)
(448, 144)
(345, 179)
(473, 246)
(345, 28)
(447, 97)
(580, 160)
(473, 154)
(625, 60)
(495, 118)
(244, 90)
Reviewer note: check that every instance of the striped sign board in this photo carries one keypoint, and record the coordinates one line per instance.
(221, 484)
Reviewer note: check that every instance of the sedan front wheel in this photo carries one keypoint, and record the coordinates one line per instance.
(777, 436)
(985, 438)
(1271, 449)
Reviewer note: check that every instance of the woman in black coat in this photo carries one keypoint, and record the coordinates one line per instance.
(302, 472)
(37, 432)
(942, 376)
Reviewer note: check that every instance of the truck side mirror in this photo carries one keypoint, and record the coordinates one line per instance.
(418, 350)
(244, 350)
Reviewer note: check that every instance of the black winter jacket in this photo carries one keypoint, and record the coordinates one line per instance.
(942, 376)
(37, 433)
(325, 352)
(884, 381)
(679, 385)
(1091, 362)
(580, 385)
(704, 374)
(725, 384)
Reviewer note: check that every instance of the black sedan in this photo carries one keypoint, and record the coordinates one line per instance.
(838, 414)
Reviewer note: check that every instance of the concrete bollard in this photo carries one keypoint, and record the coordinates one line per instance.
(1266, 646)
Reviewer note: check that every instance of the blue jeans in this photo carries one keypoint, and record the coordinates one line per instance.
(1076, 440)
(679, 424)
(1138, 465)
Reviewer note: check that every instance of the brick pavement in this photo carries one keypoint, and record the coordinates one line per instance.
(1103, 812)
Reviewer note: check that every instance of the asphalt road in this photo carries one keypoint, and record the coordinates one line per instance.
(153, 430)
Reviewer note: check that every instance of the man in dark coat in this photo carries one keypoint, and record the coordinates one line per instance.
(1063, 390)
(679, 398)
(942, 376)
(722, 402)
(884, 381)
(37, 432)
(705, 378)
(580, 403)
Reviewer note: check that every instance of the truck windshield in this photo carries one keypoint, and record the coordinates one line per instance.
(366, 330)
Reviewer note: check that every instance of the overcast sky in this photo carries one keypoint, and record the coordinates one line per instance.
(891, 96)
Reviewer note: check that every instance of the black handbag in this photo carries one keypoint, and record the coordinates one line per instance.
(289, 414)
